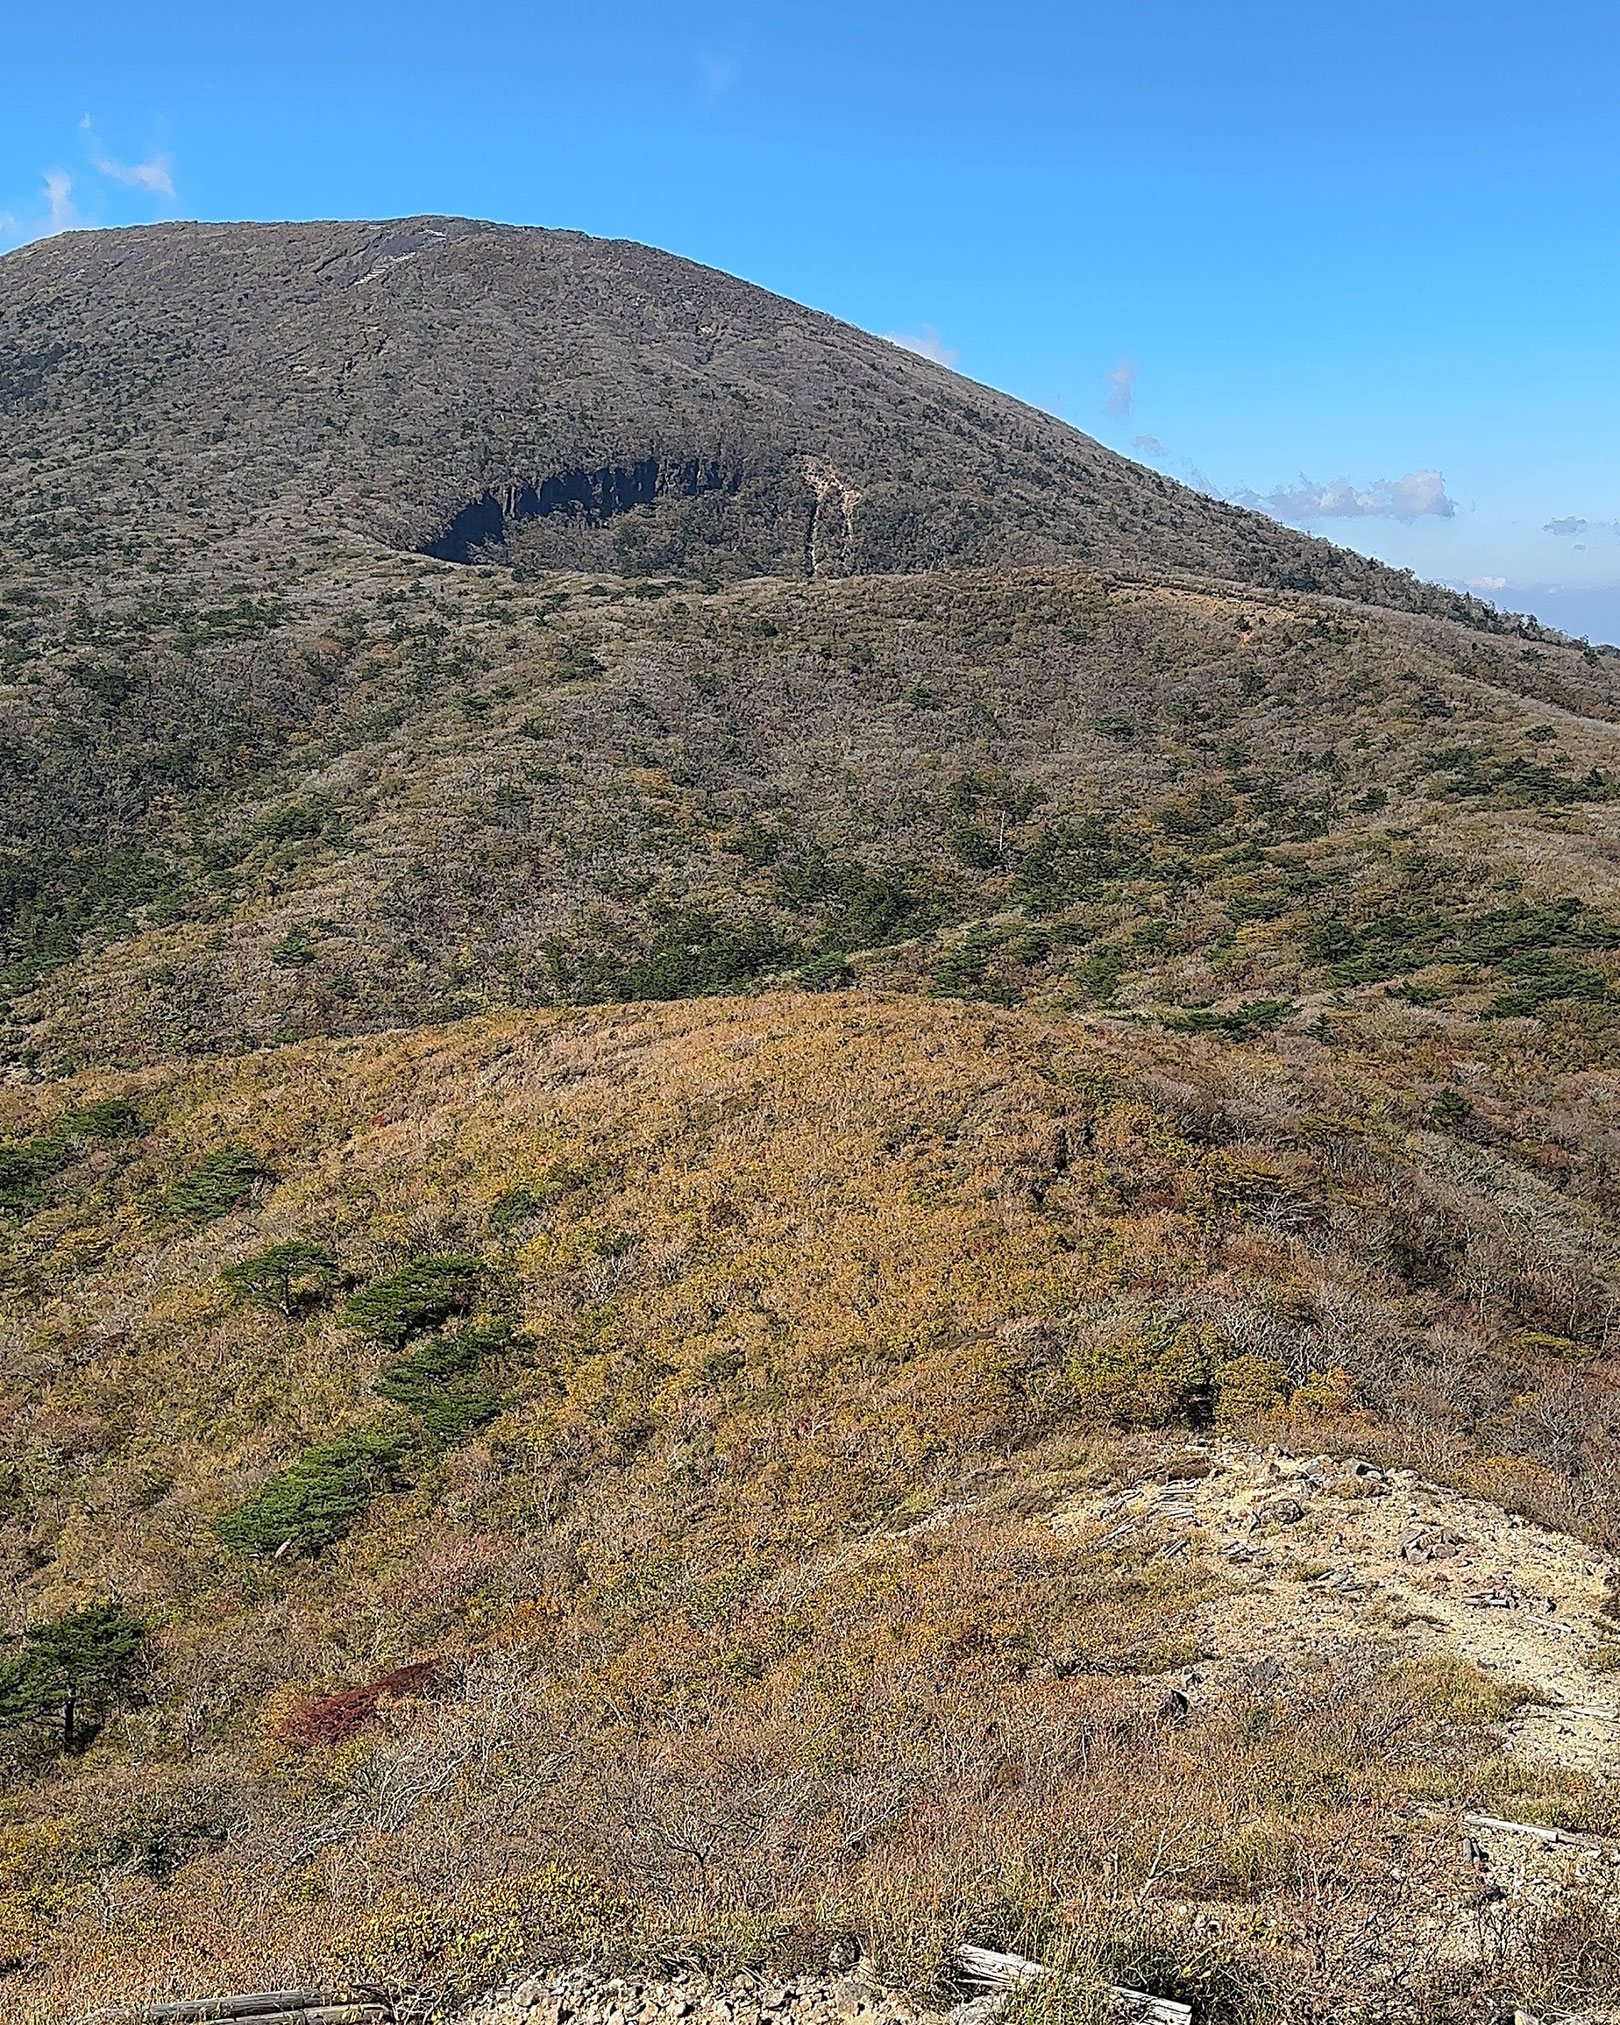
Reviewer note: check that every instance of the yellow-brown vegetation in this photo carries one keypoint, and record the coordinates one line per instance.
(750, 1623)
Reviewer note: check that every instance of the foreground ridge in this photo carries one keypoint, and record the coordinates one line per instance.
(784, 1170)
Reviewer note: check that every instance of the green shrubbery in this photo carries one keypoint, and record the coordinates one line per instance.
(1153, 1374)
(220, 1182)
(1543, 979)
(1527, 945)
(1068, 861)
(1167, 1369)
(990, 963)
(1450, 1110)
(71, 1670)
(419, 1296)
(295, 950)
(1474, 772)
(1236, 1023)
(283, 1277)
(856, 909)
(692, 955)
(512, 1209)
(316, 1499)
(1276, 886)
(26, 1165)
(439, 1382)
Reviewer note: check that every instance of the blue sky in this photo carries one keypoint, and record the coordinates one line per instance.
(1357, 262)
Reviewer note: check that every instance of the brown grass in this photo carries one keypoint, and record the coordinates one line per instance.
(745, 1618)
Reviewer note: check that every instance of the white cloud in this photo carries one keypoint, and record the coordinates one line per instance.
(1420, 495)
(57, 213)
(926, 342)
(61, 213)
(719, 75)
(1485, 583)
(1121, 384)
(1571, 524)
(1150, 446)
(156, 175)
(62, 195)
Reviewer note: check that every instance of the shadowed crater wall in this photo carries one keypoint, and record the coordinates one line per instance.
(588, 497)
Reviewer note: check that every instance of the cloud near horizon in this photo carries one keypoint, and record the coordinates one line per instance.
(1121, 384)
(1420, 495)
(156, 175)
(57, 213)
(61, 208)
(1572, 524)
(926, 342)
(61, 213)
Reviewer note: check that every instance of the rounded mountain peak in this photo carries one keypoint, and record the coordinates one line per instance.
(472, 390)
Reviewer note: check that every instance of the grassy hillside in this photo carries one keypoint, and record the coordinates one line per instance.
(630, 1523)
(369, 794)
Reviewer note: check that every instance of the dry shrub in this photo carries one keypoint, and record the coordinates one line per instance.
(334, 1718)
(768, 1633)
(1566, 1953)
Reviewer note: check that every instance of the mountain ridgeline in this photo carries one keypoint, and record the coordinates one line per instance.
(459, 388)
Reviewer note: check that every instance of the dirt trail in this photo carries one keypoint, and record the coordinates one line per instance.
(1328, 1553)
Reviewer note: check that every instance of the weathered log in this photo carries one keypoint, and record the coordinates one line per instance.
(262, 2007)
(1007, 1972)
(324, 2014)
(329, 2014)
(998, 1972)
(1145, 2010)
(255, 2004)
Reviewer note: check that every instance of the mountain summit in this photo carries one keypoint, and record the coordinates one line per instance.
(456, 388)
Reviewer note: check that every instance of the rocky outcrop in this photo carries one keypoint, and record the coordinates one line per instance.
(583, 1996)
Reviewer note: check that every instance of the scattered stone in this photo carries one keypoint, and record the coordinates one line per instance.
(584, 1996)
(1431, 1543)
(1503, 1597)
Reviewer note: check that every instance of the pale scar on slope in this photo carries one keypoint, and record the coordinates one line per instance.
(1325, 1554)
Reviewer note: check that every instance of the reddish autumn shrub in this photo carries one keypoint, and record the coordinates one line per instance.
(333, 1718)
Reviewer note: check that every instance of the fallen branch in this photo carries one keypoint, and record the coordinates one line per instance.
(1008, 1972)
(1536, 1830)
(262, 2007)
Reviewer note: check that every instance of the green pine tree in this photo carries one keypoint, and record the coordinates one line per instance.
(71, 1670)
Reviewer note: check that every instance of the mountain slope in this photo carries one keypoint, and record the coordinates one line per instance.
(640, 1164)
(441, 384)
(381, 792)
(793, 1531)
